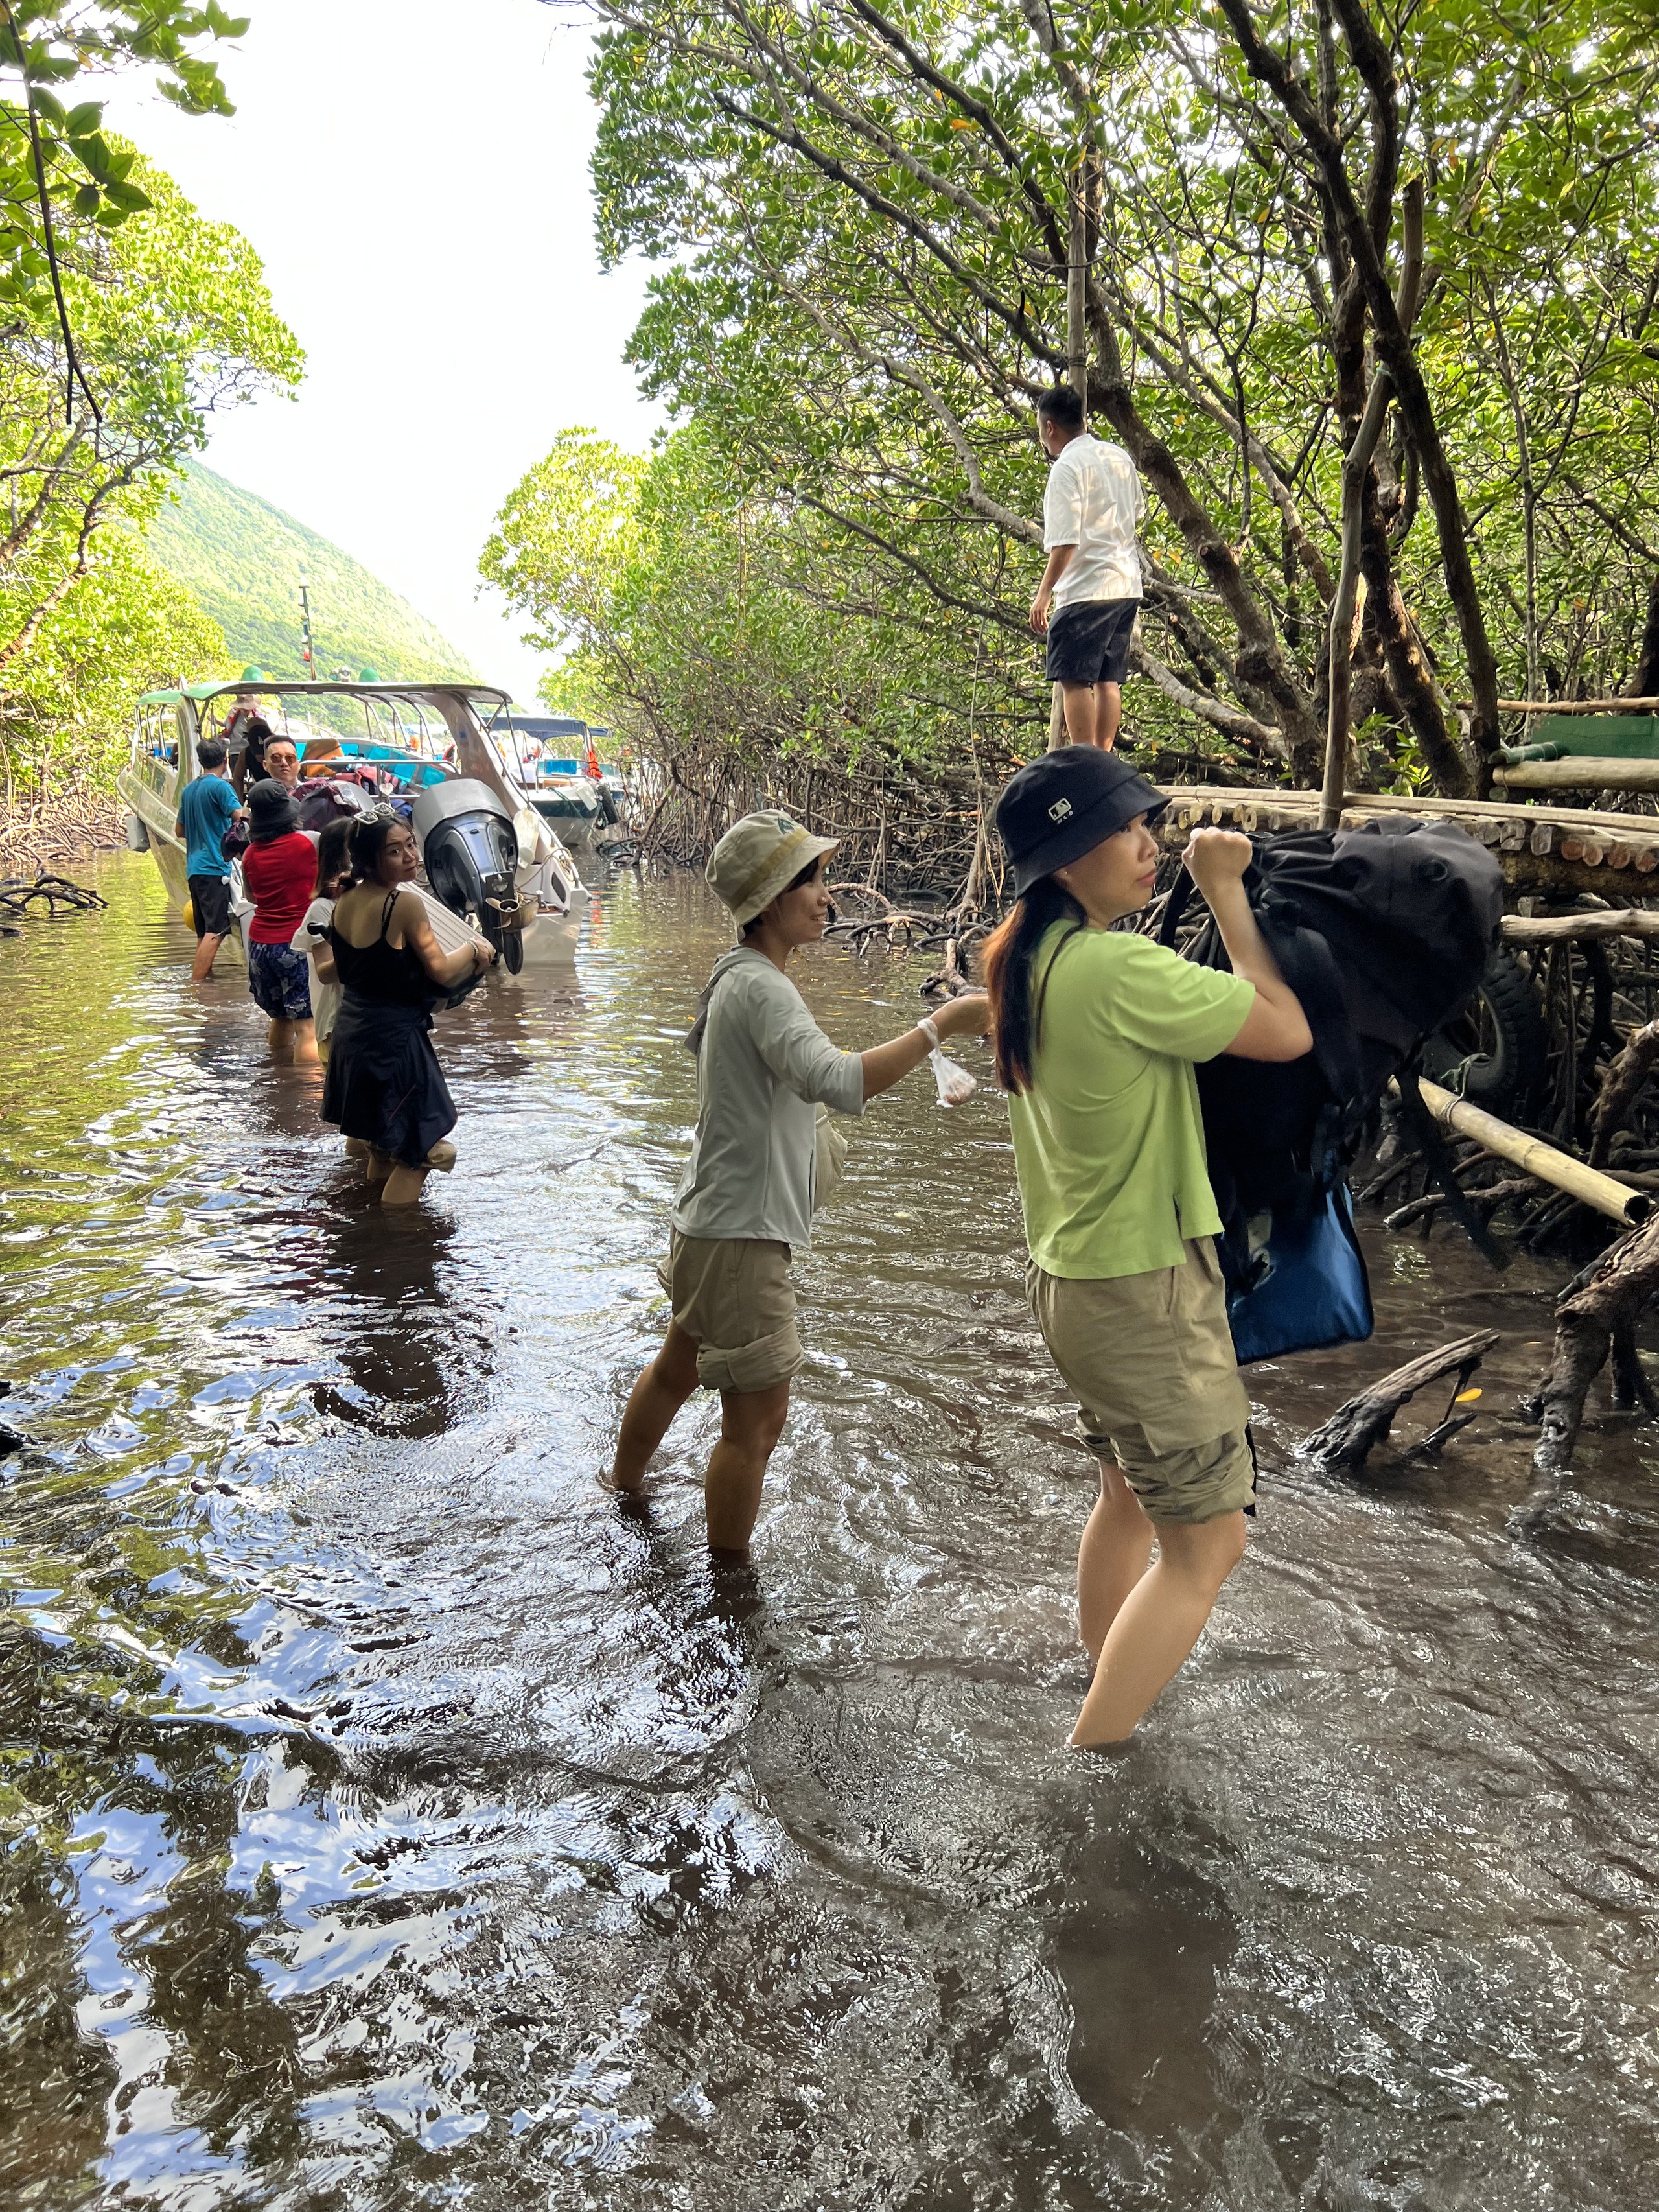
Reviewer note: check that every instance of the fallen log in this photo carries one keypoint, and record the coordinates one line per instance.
(1588, 1185)
(1357, 1428)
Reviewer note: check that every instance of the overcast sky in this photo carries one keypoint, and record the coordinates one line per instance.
(414, 178)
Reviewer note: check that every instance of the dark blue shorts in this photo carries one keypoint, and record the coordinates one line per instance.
(1088, 643)
(280, 980)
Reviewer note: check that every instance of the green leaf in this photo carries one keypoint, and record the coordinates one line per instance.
(126, 196)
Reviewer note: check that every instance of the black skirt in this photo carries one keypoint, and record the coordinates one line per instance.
(384, 1083)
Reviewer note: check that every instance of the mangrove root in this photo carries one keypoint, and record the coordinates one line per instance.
(1358, 1427)
(1597, 1315)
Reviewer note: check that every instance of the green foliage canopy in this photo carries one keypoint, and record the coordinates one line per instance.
(174, 321)
(691, 619)
(51, 45)
(872, 223)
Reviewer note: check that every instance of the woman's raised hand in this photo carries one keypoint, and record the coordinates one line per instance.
(1217, 856)
(969, 1015)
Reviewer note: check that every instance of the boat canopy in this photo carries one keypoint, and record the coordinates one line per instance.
(303, 687)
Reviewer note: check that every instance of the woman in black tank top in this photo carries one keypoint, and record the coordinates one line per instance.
(385, 1089)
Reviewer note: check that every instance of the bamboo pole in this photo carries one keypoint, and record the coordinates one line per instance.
(1580, 772)
(1616, 1199)
(1550, 929)
(1576, 706)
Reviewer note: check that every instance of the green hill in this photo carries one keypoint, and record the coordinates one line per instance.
(243, 558)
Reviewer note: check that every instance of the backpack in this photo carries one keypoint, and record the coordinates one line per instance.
(1383, 933)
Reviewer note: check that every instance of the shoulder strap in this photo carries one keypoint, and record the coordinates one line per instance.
(1175, 906)
(386, 914)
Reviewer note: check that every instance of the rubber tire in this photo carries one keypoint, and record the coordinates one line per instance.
(1508, 1079)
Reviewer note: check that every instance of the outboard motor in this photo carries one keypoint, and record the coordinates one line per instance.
(470, 853)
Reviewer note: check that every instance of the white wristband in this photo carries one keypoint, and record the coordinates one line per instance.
(926, 1025)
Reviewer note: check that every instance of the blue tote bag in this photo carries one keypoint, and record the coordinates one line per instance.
(1305, 1285)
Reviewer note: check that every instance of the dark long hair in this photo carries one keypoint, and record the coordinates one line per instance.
(333, 853)
(1016, 1014)
(368, 834)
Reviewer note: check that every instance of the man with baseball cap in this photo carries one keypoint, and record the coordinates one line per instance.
(745, 1201)
(1096, 1031)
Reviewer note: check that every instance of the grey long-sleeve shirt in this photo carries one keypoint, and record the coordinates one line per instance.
(763, 1067)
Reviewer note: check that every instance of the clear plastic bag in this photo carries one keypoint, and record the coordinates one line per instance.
(955, 1084)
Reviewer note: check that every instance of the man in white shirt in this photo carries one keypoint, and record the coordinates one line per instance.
(1090, 594)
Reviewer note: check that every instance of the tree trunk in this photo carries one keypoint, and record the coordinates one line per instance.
(1644, 682)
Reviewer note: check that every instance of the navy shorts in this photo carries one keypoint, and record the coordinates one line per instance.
(210, 904)
(1088, 643)
(280, 980)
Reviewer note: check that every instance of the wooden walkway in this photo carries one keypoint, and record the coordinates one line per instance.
(1559, 850)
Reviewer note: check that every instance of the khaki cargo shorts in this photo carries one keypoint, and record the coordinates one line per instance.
(734, 1295)
(1149, 1360)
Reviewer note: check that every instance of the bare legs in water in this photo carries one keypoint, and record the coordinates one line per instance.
(1140, 1621)
(752, 1421)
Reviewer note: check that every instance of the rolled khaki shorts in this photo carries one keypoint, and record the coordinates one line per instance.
(1149, 1360)
(734, 1295)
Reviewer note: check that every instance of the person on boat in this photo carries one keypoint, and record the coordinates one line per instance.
(207, 807)
(278, 870)
(1096, 1033)
(247, 756)
(384, 1090)
(310, 937)
(282, 763)
(745, 1204)
(243, 708)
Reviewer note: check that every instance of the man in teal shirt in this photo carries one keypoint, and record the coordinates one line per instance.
(207, 807)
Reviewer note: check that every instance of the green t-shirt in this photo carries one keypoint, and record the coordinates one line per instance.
(1108, 1140)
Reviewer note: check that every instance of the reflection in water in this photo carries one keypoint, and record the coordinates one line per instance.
(393, 1819)
(409, 1357)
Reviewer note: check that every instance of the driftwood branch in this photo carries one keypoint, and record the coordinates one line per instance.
(1357, 1428)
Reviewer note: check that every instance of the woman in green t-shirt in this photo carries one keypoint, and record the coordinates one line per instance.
(1096, 1030)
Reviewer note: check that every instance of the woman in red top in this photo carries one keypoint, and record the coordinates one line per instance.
(279, 872)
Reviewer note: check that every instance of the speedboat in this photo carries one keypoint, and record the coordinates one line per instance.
(436, 752)
(560, 775)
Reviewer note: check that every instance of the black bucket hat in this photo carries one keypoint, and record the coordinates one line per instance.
(1061, 807)
(270, 810)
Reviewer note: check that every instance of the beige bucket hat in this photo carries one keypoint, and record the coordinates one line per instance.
(757, 857)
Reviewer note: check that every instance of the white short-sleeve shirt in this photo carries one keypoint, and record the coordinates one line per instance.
(1094, 501)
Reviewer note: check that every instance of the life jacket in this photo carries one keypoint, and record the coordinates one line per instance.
(1383, 933)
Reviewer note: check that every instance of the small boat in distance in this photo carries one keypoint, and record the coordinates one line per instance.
(558, 757)
(504, 871)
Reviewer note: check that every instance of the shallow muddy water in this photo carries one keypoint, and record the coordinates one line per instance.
(392, 1820)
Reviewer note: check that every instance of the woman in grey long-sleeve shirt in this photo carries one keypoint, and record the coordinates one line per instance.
(745, 1201)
